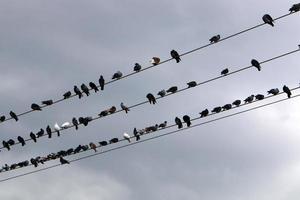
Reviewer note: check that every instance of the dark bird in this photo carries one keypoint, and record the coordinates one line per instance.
(21, 140)
(161, 93)
(172, 89)
(249, 99)
(295, 8)
(114, 140)
(151, 98)
(287, 91)
(204, 113)
(217, 109)
(32, 136)
(178, 122)
(2, 118)
(136, 134)
(125, 108)
(77, 91)
(101, 82)
(163, 125)
(227, 106)
(175, 55)
(93, 86)
(103, 113)
(63, 161)
(259, 97)
(83, 120)
(255, 64)
(34, 162)
(137, 67)
(40, 133)
(85, 89)
(268, 19)
(117, 75)
(103, 143)
(70, 151)
(93, 146)
(215, 39)
(273, 91)
(225, 71)
(77, 149)
(192, 84)
(67, 95)
(13, 115)
(75, 123)
(187, 120)
(113, 109)
(11, 142)
(35, 106)
(49, 131)
(237, 102)
(155, 60)
(47, 102)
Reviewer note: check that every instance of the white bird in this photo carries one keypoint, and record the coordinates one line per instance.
(126, 137)
(57, 128)
(65, 125)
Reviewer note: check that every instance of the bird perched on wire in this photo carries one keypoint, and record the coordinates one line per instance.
(187, 120)
(117, 75)
(259, 97)
(93, 86)
(2, 118)
(49, 131)
(249, 99)
(85, 89)
(217, 109)
(268, 19)
(13, 115)
(67, 95)
(93, 146)
(162, 93)
(137, 67)
(215, 39)
(75, 123)
(113, 140)
(155, 60)
(103, 113)
(287, 90)
(151, 98)
(125, 108)
(225, 71)
(65, 125)
(227, 106)
(295, 8)
(237, 102)
(192, 84)
(57, 129)
(126, 137)
(32, 136)
(256, 64)
(172, 89)
(40, 133)
(47, 102)
(11, 142)
(21, 140)
(175, 55)
(103, 143)
(136, 134)
(101, 82)
(35, 106)
(5, 145)
(34, 162)
(77, 91)
(178, 122)
(63, 161)
(273, 91)
(204, 113)
(163, 125)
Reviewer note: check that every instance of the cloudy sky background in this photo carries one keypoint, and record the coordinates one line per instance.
(47, 47)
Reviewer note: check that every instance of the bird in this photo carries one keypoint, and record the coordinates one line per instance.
(11, 142)
(70, 151)
(137, 67)
(163, 125)
(32, 136)
(93, 146)
(34, 162)
(204, 113)
(225, 71)
(67, 95)
(227, 106)
(217, 109)
(256, 64)
(40, 133)
(113, 140)
(101, 82)
(93, 86)
(21, 140)
(178, 122)
(259, 97)
(63, 161)
(175, 55)
(287, 91)
(151, 98)
(155, 60)
(103, 143)
(113, 109)
(136, 134)
(103, 113)
(57, 129)
(126, 137)
(249, 99)
(77, 91)
(161, 93)
(49, 131)
(75, 123)
(85, 89)
(13, 115)
(172, 89)
(125, 108)
(268, 19)
(35, 106)
(5, 145)
(237, 102)
(77, 149)
(47, 102)
(273, 91)
(65, 125)
(215, 39)
(192, 84)
(187, 120)
(295, 8)
(2, 118)
(117, 75)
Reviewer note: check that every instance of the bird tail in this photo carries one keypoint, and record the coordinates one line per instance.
(58, 133)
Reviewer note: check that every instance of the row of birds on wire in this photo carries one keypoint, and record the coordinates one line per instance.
(137, 133)
(137, 68)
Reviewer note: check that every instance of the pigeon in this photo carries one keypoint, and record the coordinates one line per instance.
(125, 108)
(117, 75)
(66, 125)
(163, 125)
(49, 131)
(13, 115)
(217, 109)
(187, 120)
(259, 97)
(136, 134)
(93, 146)
(77, 91)
(172, 89)
(192, 84)
(287, 91)
(237, 102)
(113, 109)
(75, 123)
(85, 89)
(137, 67)
(249, 99)
(35, 106)
(34, 162)
(225, 71)
(57, 129)
(77, 149)
(204, 113)
(215, 39)
(11, 142)
(93, 86)
(63, 161)
(175, 55)
(85, 120)
(70, 151)
(103, 143)
(5, 145)
(151, 98)
(40, 133)
(161, 93)
(67, 95)
(2, 118)
(114, 140)
(101, 82)
(227, 106)
(126, 137)
(32, 136)
(47, 102)
(256, 64)
(268, 19)
(295, 8)
(21, 140)
(155, 61)
(103, 113)
(273, 91)
(178, 122)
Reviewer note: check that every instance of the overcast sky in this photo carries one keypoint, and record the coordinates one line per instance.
(47, 47)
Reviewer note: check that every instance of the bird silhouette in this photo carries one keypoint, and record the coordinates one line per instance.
(93, 146)
(67, 95)
(5, 145)
(13, 115)
(163, 125)
(103, 143)
(103, 113)
(137, 67)
(204, 113)
(175, 55)
(268, 19)
(227, 106)
(217, 109)
(113, 109)
(125, 108)
(295, 8)
(172, 89)
(34, 162)
(77, 91)
(126, 137)
(77, 149)
(35, 106)
(117, 75)
(93, 86)
(57, 129)
(63, 161)
(49, 131)
(113, 140)
(287, 90)
(85, 89)
(11, 142)
(259, 97)
(225, 71)
(255, 64)
(192, 84)
(101, 82)
(237, 102)
(32, 136)
(136, 134)
(75, 123)
(21, 140)
(215, 39)
(273, 91)
(161, 93)
(249, 99)
(47, 102)
(66, 125)
(155, 60)
(2, 118)
(187, 120)
(178, 122)
(151, 98)
(40, 133)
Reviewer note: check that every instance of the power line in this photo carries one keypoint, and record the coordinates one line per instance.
(162, 62)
